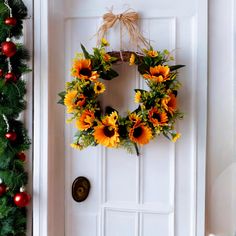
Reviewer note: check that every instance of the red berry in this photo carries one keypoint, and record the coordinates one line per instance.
(21, 156)
(10, 77)
(3, 189)
(10, 21)
(11, 136)
(8, 49)
(22, 199)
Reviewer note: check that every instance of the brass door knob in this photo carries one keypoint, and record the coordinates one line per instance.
(80, 189)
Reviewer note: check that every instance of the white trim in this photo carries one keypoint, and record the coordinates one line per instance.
(202, 83)
(40, 172)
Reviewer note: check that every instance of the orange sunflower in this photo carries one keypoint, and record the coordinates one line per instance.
(83, 69)
(170, 103)
(73, 100)
(86, 120)
(106, 133)
(140, 133)
(158, 73)
(157, 117)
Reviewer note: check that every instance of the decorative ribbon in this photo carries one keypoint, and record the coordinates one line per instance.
(128, 19)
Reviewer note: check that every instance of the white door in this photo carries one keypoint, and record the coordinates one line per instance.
(162, 191)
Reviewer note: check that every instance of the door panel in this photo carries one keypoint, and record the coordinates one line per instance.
(154, 194)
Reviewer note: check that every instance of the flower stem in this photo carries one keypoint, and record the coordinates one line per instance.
(136, 149)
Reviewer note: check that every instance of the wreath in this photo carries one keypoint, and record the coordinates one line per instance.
(157, 109)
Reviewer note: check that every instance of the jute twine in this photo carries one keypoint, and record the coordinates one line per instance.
(129, 20)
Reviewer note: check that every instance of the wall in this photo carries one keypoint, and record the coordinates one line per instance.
(221, 165)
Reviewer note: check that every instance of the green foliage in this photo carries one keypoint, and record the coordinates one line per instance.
(12, 103)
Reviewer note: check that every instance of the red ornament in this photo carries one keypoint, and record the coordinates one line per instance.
(3, 189)
(1, 72)
(21, 156)
(22, 199)
(11, 136)
(11, 21)
(10, 77)
(8, 48)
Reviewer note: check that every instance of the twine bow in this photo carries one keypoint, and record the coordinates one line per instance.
(128, 19)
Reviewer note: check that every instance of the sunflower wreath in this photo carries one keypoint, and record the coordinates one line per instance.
(157, 109)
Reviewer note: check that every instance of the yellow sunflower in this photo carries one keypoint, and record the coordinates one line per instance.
(175, 137)
(76, 146)
(73, 100)
(157, 117)
(137, 97)
(152, 53)
(99, 88)
(170, 103)
(104, 42)
(107, 134)
(140, 133)
(113, 117)
(158, 73)
(132, 59)
(86, 120)
(82, 69)
(134, 118)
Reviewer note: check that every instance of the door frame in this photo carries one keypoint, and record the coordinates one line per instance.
(48, 172)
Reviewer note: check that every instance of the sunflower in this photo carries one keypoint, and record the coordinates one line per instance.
(99, 88)
(83, 69)
(175, 137)
(140, 133)
(104, 42)
(134, 117)
(106, 133)
(170, 103)
(132, 59)
(158, 73)
(157, 117)
(86, 120)
(113, 117)
(106, 57)
(72, 100)
(76, 146)
(152, 53)
(137, 97)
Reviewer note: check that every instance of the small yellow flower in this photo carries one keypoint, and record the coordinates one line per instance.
(134, 117)
(106, 57)
(99, 88)
(132, 59)
(176, 137)
(152, 53)
(137, 97)
(104, 42)
(113, 117)
(76, 146)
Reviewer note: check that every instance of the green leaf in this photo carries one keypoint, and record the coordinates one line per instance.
(62, 97)
(86, 54)
(176, 67)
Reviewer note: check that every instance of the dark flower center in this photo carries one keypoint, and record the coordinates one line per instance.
(138, 132)
(99, 88)
(157, 116)
(86, 72)
(79, 99)
(156, 74)
(108, 131)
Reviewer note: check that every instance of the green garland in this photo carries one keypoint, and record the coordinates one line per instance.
(13, 136)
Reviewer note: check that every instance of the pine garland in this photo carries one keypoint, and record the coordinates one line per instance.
(12, 103)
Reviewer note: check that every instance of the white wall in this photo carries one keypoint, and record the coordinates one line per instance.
(221, 165)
